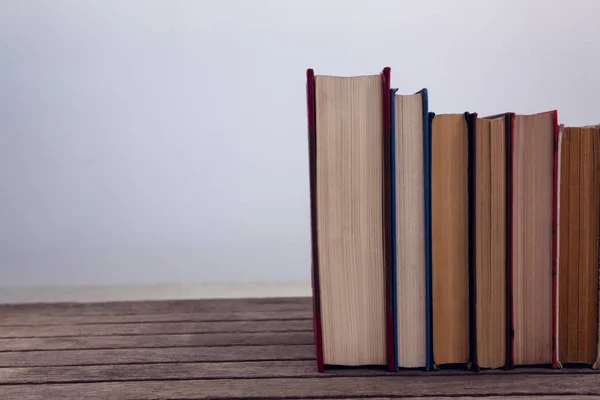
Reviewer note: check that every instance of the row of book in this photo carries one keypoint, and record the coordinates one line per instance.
(444, 240)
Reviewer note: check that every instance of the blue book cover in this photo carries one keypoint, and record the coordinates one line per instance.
(393, 214)
(427, 173)
(427, 222)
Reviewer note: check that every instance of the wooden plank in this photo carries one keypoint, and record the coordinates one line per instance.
(221, 370)
(162, 306)
(157, 355)
(533, 397)
(388, 386)
(150, 341)
(34, 318)
(155, 328)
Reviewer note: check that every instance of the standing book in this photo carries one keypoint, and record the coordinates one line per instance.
(410, 228)
(450, 238)
(490, 216)
(578, 235)
(533, 236)
(349, 163)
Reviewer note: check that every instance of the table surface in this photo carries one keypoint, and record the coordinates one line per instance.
(209, 349)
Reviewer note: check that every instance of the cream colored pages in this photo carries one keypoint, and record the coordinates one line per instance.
(349, 197)
(410, 231)
(533, 145)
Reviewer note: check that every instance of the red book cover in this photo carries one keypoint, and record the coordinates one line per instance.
(312, 163)
(555, 243)
(387, 233)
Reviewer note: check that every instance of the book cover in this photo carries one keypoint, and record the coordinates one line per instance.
(471, 129)
(387, 210)
(386, 218)
(558, 254)
(393, 217)
(428, 281)
(555, 242)
(427, 117)
(312, 165)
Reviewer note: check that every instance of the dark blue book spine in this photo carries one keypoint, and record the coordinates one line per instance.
(427, 118)
(393, 192)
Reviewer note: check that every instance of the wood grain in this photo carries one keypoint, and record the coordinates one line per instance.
(34, 318)
(159, 355)
(154, 328)
(222, 365)
(151, 341)
(534, 397)
(393, 386)
(162, 306)
(228, 370)
(170, 371)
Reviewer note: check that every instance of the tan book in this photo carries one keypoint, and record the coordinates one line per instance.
(449, 238)
(349, 128)
(533, 240)
(578, 234)
(489, 153)
(409, 128)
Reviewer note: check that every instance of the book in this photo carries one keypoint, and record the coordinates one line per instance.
(450, 185)
(533, 236)
(578, 235)
(410, 215)
(349, 165)
(489, 140)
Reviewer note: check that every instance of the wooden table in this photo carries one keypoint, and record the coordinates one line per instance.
(208, 349)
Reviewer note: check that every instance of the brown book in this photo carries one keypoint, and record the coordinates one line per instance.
(533, 237)
(578, 233)
(449, 238)
(489, 153)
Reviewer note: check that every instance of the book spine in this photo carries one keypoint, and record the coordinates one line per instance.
(558, 211)
(510, 344)
(554, 241)
(387, 228)
(394, 223)
(596, 364)
(471, 128)
(312, 154)
(427, 213)
(428, 267)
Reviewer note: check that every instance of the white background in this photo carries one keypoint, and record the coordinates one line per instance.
(165, 141)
